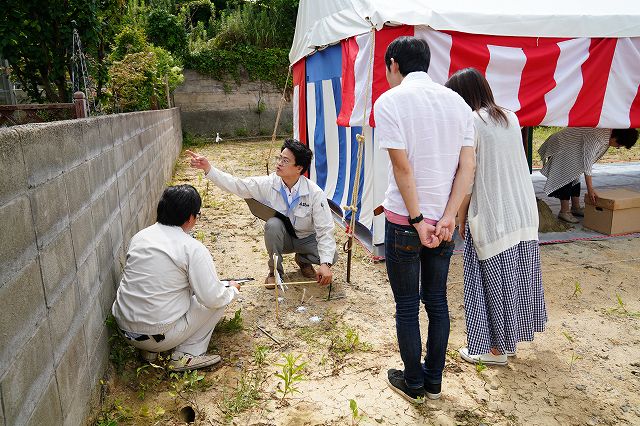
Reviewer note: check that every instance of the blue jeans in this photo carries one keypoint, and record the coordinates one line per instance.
(419, 273)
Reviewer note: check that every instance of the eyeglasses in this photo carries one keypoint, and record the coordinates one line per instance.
(282, 159)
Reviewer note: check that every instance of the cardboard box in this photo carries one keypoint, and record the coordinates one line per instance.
(617, 211)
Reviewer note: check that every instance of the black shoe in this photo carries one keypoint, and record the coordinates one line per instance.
(396, 381)
(432, 391)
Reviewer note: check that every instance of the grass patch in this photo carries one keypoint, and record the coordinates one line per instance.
(121, 353)
(248, 390)
(233, 325)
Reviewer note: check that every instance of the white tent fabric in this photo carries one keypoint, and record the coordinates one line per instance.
(324, 22)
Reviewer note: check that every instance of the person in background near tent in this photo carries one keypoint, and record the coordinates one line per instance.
(296, 197)
(571, 152)
(503, 294)
(170, 295)
(427, 131)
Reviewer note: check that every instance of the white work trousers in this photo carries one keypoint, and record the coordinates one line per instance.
(190, 334)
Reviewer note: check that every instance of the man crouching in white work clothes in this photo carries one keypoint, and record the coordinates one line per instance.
(170, 296)
(296, 197)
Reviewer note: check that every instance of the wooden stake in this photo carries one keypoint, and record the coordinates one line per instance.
(277, 285)
(268, 335)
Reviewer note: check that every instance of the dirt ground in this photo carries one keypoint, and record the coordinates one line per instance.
(583, 370)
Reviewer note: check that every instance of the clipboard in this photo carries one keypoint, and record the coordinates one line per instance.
(264, 212)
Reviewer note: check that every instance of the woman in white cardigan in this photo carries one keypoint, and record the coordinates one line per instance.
(503, 294)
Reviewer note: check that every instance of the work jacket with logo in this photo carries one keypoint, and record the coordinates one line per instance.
(311, 214)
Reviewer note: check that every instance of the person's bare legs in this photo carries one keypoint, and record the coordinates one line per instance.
(565, 206)
(575, 203)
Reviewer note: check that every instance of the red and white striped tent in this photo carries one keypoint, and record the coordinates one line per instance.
(555, 63)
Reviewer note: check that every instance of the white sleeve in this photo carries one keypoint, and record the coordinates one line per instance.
(323, 224)
(387, 131)
(204, 281)
(468, 131)
(251, 187)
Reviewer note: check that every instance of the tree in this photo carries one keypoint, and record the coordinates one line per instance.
(36, 38)
(166, 30)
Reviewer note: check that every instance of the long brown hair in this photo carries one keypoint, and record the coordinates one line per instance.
(476, 92)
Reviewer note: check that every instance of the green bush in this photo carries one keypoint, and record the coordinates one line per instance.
(196, 11)
(166, 30)
(130, 40)
(137, 82)
(240, 61)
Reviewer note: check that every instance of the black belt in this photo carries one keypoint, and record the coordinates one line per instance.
(157, 337)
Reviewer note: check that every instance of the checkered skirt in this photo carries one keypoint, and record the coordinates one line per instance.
(503, 297)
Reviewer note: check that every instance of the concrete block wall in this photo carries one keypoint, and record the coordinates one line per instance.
(72, 194)
(210, 106)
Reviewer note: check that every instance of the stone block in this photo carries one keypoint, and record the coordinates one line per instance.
(18, 247)
(88, 279)
(108, 158)
(107, 296)
(100, 357)
(48, 410)
(115, 231)
(106, 131)
(120, 158)
(27, 376)
(23, 306)
(58, 265)
(72, 368)
(100, 213)
(94, 325)
(80, 405)
(117, 129)
(72, 141)
(62, 313)
(78, 184)
(50, 209)
(91, 137)
(111, 198)
(13, 179)
(83, 235)
(105, 255)
(43, 158)
(97, 176)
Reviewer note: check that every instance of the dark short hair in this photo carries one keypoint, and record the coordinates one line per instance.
(625, 137)
(301, 152)
(410, 53)
(476, 92)
(177, 204)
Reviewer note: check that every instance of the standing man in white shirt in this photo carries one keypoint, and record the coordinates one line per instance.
(170, 295)
(289, 192)
(428, 132)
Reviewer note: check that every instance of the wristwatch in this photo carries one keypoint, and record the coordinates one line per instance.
(328, 264)
(418, 219)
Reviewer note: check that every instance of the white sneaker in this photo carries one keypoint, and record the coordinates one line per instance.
(488, 358)
(567, 217)
(192, 362)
